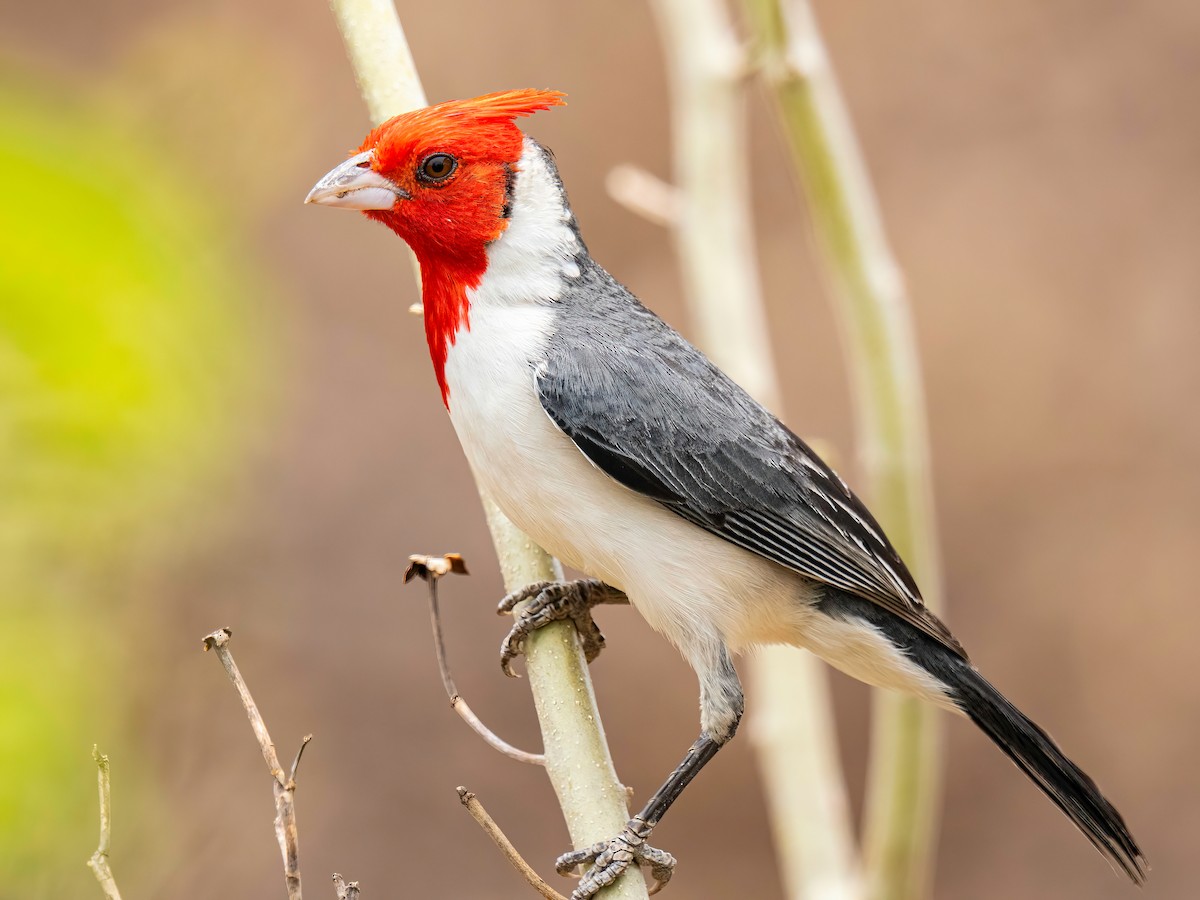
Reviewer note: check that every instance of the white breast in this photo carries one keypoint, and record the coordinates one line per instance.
(682, 579)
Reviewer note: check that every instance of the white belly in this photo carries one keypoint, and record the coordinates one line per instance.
(555, 495)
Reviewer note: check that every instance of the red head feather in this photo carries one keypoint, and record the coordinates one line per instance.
(450, 222)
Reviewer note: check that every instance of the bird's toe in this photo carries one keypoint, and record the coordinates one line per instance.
(609, 859)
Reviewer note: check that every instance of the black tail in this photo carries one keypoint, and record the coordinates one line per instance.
(1027, 745)
(1036, 754)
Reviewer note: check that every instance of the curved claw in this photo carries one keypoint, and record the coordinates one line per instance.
(505, 607)
(551, 601)
(610, 858)
(510, 649)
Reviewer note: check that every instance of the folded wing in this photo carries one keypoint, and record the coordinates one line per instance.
(653, 413)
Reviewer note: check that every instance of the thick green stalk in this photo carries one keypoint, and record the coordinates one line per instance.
(577, 758)
(903, 785)
(578, 763)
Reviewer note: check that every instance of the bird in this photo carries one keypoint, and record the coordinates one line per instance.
(622, 449)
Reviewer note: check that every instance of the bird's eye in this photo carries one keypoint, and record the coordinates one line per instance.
(437, 167)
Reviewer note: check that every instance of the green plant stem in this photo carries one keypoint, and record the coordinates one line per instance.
(790, 719)
(577, 757)
(903, 783)
(379, 54)
(98, 862)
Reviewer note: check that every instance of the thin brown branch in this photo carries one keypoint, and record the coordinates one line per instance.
(296, 761)
(282, 786)
(459, 705)
(99, 861)
(430, 569)
(488, 824)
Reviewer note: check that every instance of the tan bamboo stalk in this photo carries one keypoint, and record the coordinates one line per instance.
(790, 720)
(577, 758)
(903, 783)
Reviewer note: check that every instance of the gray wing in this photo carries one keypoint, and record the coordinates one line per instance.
(653, 413)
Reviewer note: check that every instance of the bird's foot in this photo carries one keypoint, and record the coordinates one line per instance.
(553, 601)
(610, 858)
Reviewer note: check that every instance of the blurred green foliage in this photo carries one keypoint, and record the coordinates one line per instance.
(127, 353)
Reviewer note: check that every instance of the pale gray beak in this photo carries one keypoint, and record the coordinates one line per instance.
(353, 185)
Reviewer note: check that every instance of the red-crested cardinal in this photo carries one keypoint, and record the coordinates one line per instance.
(618, 446)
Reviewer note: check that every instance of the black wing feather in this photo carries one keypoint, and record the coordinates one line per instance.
(653, 413)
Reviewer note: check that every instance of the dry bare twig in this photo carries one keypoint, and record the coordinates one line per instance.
(488, 824)
(430, 569)
(346, 890)
(99, 860)
(283, 785)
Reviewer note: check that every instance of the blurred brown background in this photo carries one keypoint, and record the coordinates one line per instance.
(1038, 164)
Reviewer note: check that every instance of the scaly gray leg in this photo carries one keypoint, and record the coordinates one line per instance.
(721, 710)
(553, 601)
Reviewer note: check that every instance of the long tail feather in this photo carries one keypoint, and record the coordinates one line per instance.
(1036, 754)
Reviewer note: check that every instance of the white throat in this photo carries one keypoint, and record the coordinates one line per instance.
(530, 261)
